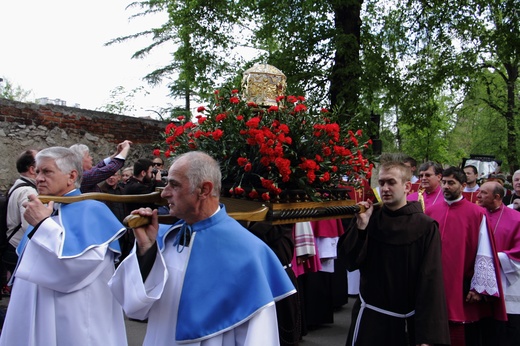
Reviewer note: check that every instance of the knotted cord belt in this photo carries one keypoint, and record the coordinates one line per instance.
(375, 308)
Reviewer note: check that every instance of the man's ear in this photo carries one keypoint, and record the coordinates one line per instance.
(73, 176)
(206, 189)
(408, 187)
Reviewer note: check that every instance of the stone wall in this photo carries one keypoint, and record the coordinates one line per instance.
(31, 126)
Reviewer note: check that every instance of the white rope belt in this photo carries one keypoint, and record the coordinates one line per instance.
(375, 308)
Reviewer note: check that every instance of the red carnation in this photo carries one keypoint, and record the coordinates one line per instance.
(242, 161)
(253, 194)
(217, 134)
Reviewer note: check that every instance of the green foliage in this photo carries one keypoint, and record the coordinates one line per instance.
(423, 60)
(121, 100)
(13, 92)
(442, 74)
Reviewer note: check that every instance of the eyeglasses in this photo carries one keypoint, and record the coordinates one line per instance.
(157, 164)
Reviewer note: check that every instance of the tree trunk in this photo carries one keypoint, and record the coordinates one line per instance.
(346, 72)
(512, 156)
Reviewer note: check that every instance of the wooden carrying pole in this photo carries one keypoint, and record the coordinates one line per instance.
(239, 209)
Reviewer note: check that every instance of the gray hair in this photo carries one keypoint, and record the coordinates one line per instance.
(66, 161)
(201, 167)
(79, 150)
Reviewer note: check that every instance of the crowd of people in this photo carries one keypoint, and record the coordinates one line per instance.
(438, 258)
(452, 280)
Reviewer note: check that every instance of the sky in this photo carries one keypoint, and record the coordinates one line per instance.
(55, 49)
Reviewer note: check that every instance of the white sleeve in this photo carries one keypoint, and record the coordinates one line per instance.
(135, 296)
(485, 280)
(42, 265)
(510, 268)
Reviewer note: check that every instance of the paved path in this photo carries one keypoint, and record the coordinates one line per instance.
(326, 335)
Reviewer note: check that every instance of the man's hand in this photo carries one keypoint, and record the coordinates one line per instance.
(145, 236)
(363, 218)
(473, 297)
(36, 211)
(123, 148)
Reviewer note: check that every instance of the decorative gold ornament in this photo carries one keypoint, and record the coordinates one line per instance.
(262, 84)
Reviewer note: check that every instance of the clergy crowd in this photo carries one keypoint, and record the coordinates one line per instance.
(451, 281)
(438, 258)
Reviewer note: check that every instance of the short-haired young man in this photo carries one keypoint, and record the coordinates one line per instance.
(397, 249)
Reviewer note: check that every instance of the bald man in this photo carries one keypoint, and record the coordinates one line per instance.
(504, 222)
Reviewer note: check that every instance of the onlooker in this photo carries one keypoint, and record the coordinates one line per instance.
(126, 174)
(505, 225)
(112, 186)
(60, 293)
(143, 181)
(158, 168)
(24, 186)
(430, 192)
(397, 250)
(158, 163)
(469, 263)
(206, 279)
(92, 176)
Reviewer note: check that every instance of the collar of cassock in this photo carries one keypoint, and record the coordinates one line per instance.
(86, 224)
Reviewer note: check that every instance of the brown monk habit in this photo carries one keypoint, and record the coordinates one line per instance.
(399, 258)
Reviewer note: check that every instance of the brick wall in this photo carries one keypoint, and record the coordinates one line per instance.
(30, 126)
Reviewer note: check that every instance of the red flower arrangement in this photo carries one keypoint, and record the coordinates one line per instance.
(266, 151)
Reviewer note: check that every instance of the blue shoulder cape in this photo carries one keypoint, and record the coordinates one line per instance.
(230, 275)
(86, 224)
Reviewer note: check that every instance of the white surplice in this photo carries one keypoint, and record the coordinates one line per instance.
(62, 301)
(158, 300)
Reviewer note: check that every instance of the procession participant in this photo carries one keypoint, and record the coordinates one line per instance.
(472, 188)
(206, 279)
(430, 192)
(280, 239)
(397, 250)
(470, 264)
(509, 199)
(505, 225)
(60, 294)
(412, 164)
